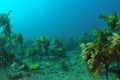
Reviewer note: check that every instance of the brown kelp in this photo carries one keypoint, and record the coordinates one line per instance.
(101, 54)
(5, 38)
(57, 48)
(17, 42)
(40, 47)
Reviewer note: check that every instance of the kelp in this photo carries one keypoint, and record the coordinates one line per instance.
(104, 51)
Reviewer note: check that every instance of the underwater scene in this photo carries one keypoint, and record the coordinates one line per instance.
(59, 40)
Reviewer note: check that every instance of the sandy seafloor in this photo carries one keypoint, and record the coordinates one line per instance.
(76, 71)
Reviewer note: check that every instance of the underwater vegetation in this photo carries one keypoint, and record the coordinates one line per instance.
(16, 52)
(10, 43)
(72, 43)
(39, 47)
(102, 55)
(100, 51)
(57, 48)
(44, 47)
(5, 39)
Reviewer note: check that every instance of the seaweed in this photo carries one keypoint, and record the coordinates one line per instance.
(5, 38)
(104, 50)
(39, 47)
(17, 41)
(57, 48)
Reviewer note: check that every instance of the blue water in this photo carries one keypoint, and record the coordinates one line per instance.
(34, 18)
